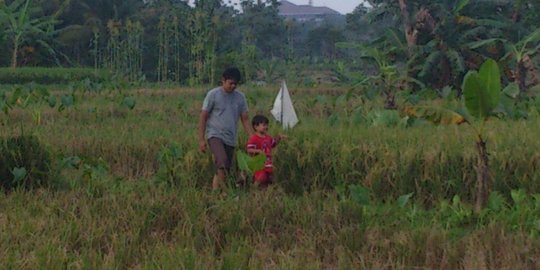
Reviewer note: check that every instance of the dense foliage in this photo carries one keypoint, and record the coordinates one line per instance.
(434, 42)
(111, 177)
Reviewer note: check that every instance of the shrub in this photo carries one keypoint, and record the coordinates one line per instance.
(51, 75)
(24, 162)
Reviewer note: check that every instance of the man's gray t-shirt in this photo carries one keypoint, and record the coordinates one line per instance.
(224, 110)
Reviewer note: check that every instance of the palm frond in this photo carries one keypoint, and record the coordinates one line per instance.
(482, 43)
(431, 62)
(460, 6)
(501, 24)
(475, 32)
(531, 38)
(458, 64)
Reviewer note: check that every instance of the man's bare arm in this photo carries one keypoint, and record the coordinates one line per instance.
(247, 125)
(202, 129)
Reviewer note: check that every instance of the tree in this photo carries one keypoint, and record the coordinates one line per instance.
(85, 21)
(322, 41)
(482, 91)
(268, 31)
(519, 54)
(389, 79)
(20, 25)
(206, 22)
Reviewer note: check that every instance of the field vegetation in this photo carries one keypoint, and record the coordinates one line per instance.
(99, 160)
(357, 186)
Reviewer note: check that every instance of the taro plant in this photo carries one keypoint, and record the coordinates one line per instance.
(24, 162)
(169, 159)
(249, 164)
(482, 92)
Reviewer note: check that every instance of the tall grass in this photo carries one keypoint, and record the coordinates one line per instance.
(110, 206)
(137, 225)
(328, 148)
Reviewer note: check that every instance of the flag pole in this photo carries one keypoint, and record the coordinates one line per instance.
(282, 92)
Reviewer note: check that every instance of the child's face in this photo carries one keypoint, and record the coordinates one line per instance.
(261, 128)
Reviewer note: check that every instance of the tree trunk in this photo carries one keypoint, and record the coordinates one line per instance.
(531, 77)
(483, 177)
(521, 77)
(410, 33)
(390, 101)
(516, 12)
(14, 53)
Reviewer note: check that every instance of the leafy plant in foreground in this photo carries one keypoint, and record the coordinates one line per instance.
(250, 164)
(24, 162)
(482, 91)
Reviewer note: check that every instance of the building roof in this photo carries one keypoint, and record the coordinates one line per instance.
(289, 9)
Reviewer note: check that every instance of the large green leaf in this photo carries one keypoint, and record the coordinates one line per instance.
(129, 102)
(250, 164)
(52, 101)
(512, 90)
(359, 194)
(18, 174)
(404, 199)
(482, 89)
(66, 101)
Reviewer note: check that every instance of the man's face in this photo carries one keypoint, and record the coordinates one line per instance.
(229, 85)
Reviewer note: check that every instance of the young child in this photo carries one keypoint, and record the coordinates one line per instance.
(262, 143)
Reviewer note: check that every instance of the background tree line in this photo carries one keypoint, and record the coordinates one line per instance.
(431, 43)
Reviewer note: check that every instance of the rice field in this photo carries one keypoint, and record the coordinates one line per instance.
(357, 187)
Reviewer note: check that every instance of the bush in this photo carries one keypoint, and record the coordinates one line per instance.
(51, 75)
(24, 162)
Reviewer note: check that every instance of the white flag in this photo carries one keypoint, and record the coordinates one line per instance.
(283, 109)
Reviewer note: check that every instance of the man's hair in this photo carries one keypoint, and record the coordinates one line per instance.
(232, 74)
(259, 119)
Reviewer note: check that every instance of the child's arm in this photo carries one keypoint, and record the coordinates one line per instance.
(278, 139)
(254, 151)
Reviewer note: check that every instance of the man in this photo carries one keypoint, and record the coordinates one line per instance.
(218, 121)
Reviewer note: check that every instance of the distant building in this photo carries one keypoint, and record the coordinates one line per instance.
(304, 13)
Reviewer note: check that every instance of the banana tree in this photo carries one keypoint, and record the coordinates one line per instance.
(481, 91)
(389, 79)
(19, 25)
(520, 53)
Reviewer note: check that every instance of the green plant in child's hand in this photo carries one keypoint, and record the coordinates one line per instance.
(482, 92)
(250, 164)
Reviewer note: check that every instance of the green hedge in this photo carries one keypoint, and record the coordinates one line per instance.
(42, 75)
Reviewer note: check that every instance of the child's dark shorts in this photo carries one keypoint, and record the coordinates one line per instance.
(222, 152)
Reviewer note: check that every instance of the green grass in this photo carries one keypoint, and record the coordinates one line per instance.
(140, 225)
(119, 207)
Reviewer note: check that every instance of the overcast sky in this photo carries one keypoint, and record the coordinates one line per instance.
(343, 6)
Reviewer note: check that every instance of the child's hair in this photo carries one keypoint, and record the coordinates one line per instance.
(259, 119)
(232, 74)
